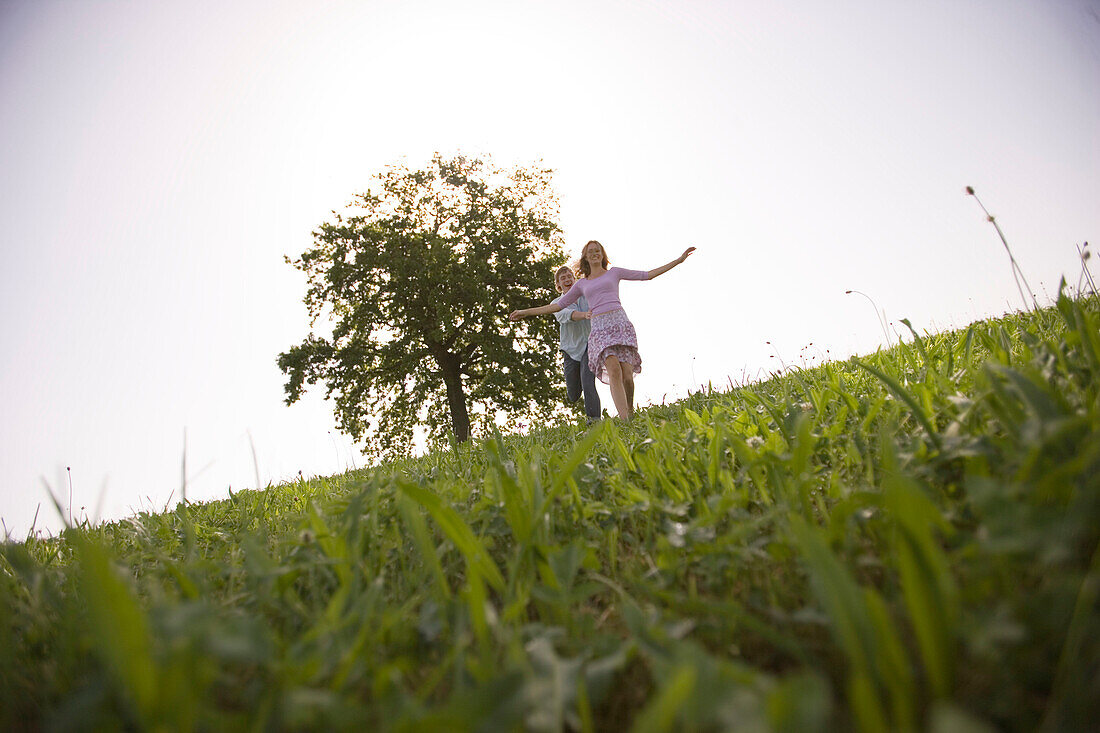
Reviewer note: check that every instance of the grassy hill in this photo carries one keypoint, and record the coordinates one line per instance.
(904, 541)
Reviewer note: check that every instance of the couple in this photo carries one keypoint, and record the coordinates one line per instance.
(611, 352)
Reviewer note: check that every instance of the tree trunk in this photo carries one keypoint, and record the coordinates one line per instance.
(456, 398)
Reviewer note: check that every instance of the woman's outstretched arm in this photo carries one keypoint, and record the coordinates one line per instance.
(665, 268)
(568, 299)
(542, 310)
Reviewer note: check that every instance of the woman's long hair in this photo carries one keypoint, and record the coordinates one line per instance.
(584, 269)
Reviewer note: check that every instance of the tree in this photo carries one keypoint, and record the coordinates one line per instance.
(417, 279)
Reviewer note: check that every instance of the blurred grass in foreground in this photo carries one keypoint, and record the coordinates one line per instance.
(904, 541)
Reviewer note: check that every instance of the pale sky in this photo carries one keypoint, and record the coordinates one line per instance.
(158, 160)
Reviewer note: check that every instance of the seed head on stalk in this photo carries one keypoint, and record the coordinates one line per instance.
(1084, 254)
(1017, 273)
(882, 322)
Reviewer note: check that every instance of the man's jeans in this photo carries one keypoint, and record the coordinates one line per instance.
(579, 378)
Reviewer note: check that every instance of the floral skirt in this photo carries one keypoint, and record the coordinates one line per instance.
(612, 335)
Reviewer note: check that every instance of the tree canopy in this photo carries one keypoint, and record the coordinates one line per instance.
(416, 278)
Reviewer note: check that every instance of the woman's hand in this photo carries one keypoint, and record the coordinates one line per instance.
(586, 315)
(515, 315)
(665, 268)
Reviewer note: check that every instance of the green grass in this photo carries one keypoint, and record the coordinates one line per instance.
(908, 540)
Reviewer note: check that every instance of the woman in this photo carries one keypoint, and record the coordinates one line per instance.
(612, 345)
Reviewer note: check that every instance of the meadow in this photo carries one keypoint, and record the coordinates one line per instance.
(906, 540)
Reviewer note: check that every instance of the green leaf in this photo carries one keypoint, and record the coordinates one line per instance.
(422, 538)
(120, 631)
(906, 397)
(477, 558)
(660, 713)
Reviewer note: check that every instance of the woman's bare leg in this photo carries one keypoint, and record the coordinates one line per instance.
(628, 387)
(618, 390)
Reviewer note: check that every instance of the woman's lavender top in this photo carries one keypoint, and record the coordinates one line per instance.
(602, 292)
